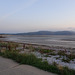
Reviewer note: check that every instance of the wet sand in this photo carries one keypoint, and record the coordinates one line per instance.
(52, 40)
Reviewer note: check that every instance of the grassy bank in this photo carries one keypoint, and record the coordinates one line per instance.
(32, 60)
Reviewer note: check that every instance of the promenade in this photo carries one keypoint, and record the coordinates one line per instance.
(9, 67)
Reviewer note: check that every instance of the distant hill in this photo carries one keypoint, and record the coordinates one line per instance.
(48, 33)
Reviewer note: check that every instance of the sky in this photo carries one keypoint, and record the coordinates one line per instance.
(18, 16)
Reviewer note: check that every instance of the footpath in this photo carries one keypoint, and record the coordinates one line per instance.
(9, 67)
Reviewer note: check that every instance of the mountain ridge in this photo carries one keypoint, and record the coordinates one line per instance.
(48, 33)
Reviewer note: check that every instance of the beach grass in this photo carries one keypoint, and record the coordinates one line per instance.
(32, 60)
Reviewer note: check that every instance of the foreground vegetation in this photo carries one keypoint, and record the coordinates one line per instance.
(32, 60)
(9, 50)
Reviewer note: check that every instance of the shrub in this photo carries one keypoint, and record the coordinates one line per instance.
(31, 59)
(66, 60)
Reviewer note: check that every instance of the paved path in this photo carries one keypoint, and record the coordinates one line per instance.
(9, 67)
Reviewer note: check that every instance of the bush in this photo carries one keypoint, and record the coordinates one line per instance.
(45, 51)
(67, 71)
(31, 59)
(66, 60)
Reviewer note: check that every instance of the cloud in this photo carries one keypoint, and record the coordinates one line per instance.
(30, 3)
(71, 28)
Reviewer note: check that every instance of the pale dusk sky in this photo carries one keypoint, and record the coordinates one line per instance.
(35, 15)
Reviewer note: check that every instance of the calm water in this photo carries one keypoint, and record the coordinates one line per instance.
(52, 40)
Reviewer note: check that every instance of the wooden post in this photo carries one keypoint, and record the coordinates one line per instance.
(9, 47)
(23, 46)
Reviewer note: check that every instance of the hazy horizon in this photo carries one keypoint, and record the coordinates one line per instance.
(18, 16)
(34, 32)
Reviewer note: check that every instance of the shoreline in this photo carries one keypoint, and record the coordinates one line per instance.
(61, 43)
(56, 48)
